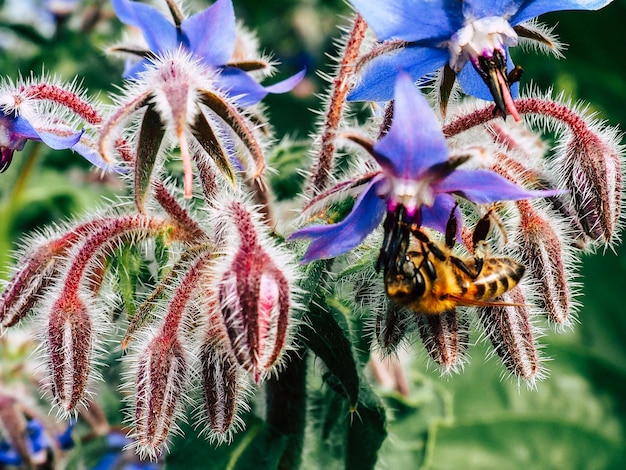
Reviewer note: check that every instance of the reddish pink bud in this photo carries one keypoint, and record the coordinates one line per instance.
(509, 329)
(70, 345)
(26, 286)
(545, 255)
(161, 378)
(221, 390)
(445, 338)
(253, 295)
(391, 327)
(591, 172)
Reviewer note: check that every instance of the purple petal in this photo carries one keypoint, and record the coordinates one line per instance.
(57, 142)
(19, 128)
(160, 33)
(415, 141)
(211, 33)
(437, 216)
(332, 240)
(484, 8)
(92, 156)
(484, 186)
(411, 20)
(378, 77)
(539, 7)
(472, 84)
(247, 91)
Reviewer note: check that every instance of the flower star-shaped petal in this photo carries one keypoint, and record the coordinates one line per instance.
(210, 37)
(430, 34)
(417, 175)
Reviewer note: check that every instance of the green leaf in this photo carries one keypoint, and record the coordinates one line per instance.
(367, 431)
(150, 138)
(323, 335)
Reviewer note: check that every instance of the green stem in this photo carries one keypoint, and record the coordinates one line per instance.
(286, 407)
(11, 204)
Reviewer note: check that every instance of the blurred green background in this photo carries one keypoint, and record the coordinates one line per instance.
(477, 419)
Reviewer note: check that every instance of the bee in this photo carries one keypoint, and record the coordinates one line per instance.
(429, 279)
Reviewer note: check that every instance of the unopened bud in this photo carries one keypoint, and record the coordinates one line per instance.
(221, 391)
(253, 296)
(445, 338)
(544, 254)
(391, 327)
(70, 345)
(508, 327)
(161, 378)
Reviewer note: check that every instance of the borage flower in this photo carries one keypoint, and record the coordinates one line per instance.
(416, 184)
(209, 36)
(15, 131)
(423, 36)
(44, 111)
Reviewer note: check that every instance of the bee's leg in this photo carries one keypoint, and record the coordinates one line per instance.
(479, 237)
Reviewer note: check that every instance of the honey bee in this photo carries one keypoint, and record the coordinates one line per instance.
(429, 279)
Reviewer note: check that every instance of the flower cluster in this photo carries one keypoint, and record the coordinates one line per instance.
(443, 210)
(223, 298)
(565, 197)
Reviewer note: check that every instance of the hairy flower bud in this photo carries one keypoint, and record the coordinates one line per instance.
(161, 378)
(445, 338)
(70, 345)
(508, 327)
(546, 257)
(592, 173)
(253, 295)
(392, 326)
(221, 390)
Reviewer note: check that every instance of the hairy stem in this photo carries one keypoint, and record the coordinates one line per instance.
(341, 87)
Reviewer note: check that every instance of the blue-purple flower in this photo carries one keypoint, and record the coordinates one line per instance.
(16, 130)
(417, 181)
(210, 36)
(429, 34)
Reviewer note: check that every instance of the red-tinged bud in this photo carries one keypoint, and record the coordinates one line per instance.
(508, 327)
(255, 308)
(445, 338)
(253, 295)
(161, 380)
(70, 346)
(591, 172)
(221, 391)
(26, 287)
(547, 260)
(35, 272)
(391, 327)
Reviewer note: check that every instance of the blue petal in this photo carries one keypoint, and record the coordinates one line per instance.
(332, 240)
(472, 83)
(211, 33)
(379, 76)
(437, 216)
(484, 186)
(539, 7)
(92, 156)
(133, 68)
(160, 33)
(411, 20)
(415, 141)
(21, 128)
(57, 142)
(473, 9)
(247, 91)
